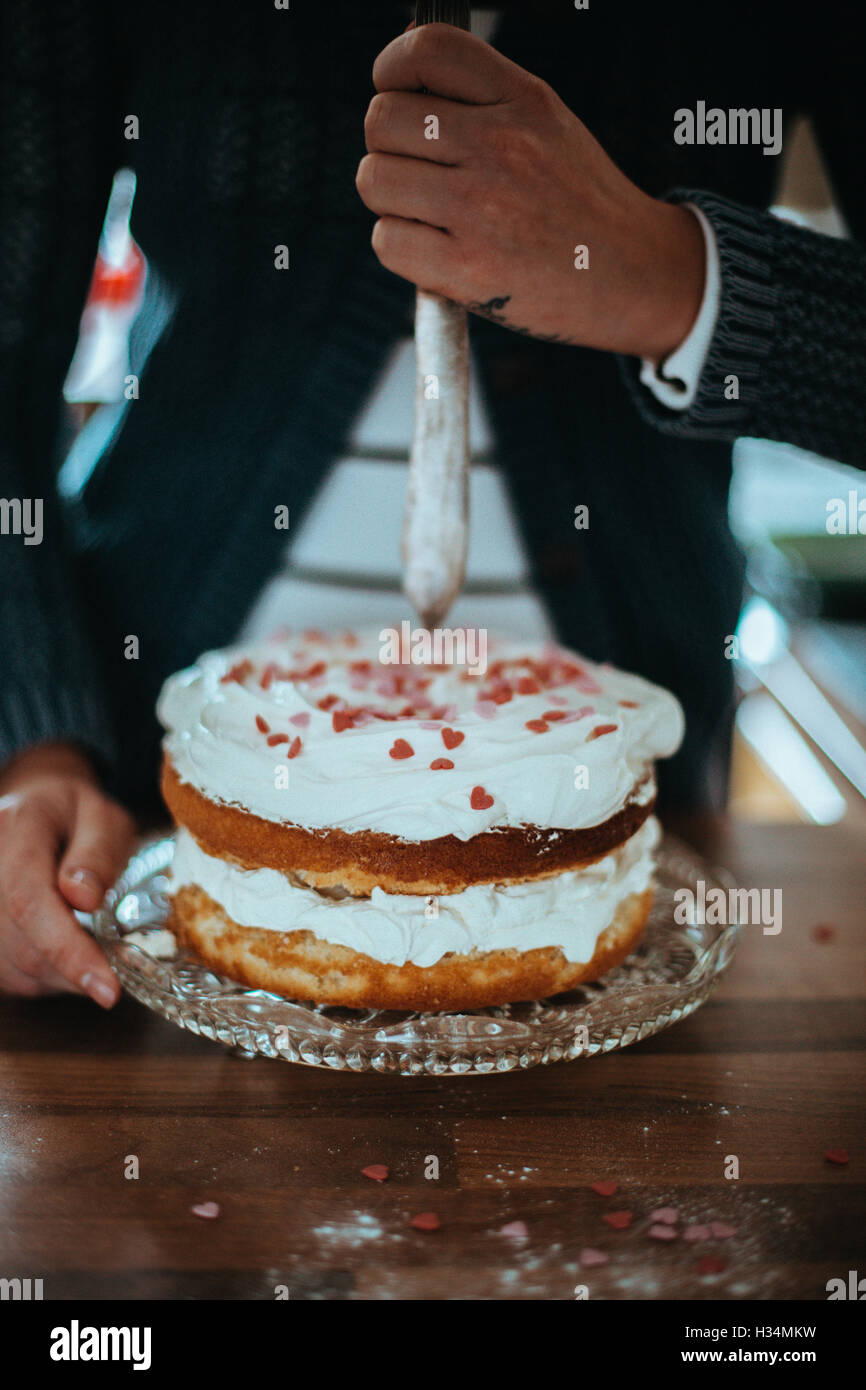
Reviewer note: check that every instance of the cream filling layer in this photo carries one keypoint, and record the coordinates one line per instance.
(568, 910)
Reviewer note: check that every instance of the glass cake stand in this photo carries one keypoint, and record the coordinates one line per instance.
(669, 975)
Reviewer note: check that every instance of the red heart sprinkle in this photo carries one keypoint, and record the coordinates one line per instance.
(300, 720)
(426, 1221)
(720, 1230)
(553, 714)
(589, 1258)
(527, 686)
(441, 765)
(452, 738)
(262, 725)
(711, 1264)
(377, 1171)
(238, 672)
(618, 1219)
(823, 932)
(341, 720)
(327, 702)
(401, 749)
(697, 1233)
(294, 748)
(662, 1232)
(629, 704)
(837, 1156)
(277, 738)
(606, 1188)
(515, 1230)
(209, 1211)
(537, 726)
(668, 1216)
(601, 729)
(479, 800)
(502, 695)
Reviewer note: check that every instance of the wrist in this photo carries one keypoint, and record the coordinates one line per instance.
(672, 287)
(58, 759)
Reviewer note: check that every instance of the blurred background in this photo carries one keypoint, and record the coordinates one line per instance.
(800, 647)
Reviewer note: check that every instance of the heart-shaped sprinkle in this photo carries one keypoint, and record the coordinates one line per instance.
(441, 765)
(426, 1221)
(600, 730)
(238, 672)
(661, 1232)
(486, 709)
(605, 1188)
(537, 726)
(629, 704)
(294, 748)
(837, 1156)
(823, 932)
(697, 1233)
(618, 1219)
(711, 1264)
(401, 749)
(590, 1258)
(377, 1171)
(452, 738)
(209, 1211)
(720, 1230)
(553, 714)
(341, 720)
(527, 686)
(479, 800)
(277, 738)
(515, 1230)
(667, 1215)
(301, 720)
(262, 725)
(429, 724)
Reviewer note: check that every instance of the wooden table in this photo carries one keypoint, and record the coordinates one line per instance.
(771, 1071)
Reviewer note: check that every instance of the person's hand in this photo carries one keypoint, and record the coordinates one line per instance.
(491, 212)
(62, 844)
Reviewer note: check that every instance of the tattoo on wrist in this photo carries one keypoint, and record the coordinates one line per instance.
(492, 309)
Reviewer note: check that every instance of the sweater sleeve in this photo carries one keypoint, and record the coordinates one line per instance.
(57, 138)
(787, 360)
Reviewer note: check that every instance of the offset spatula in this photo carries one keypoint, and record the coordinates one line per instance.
(436, 520)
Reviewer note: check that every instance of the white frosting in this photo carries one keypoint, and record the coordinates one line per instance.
(568, 910)
(347, 779)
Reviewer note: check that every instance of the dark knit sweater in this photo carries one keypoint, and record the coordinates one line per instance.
(251, 126)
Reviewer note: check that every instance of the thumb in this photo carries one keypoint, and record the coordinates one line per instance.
(99, 845)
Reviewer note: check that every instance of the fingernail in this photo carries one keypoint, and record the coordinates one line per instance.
(86, 878)
(99, 989)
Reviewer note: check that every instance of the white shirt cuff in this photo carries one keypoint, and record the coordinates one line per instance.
(675, 381)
